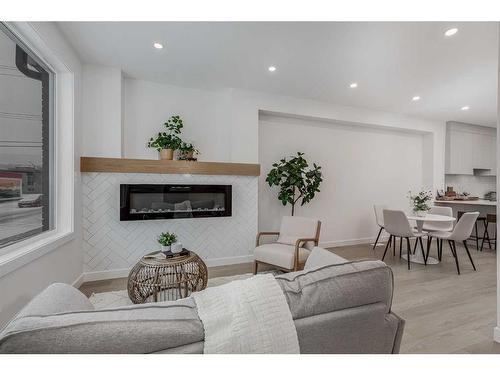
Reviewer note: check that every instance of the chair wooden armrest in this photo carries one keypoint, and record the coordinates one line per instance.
(297, 246)
(257, 240)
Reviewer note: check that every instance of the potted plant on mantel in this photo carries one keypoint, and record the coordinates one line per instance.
(295, 181)
(187, 151)
(169, 141)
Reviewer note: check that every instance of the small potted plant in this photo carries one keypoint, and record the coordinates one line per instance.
(187, 151)
(166, 240)
(420, 202)
(169, 141)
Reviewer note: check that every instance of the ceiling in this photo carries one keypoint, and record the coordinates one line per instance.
(391, 62)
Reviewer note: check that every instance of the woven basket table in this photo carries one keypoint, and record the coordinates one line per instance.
(158, 279)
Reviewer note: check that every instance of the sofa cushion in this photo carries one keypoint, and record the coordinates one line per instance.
(320, 257)
(146, 328)
(337, 287)
(280, 255)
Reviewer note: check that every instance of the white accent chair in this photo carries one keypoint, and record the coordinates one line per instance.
(397, 225)
(379, 218)
(296, 238)
(462, 231)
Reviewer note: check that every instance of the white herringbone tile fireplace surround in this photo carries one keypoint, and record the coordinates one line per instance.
(111, 247)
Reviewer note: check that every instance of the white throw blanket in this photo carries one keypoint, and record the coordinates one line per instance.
(247, 316)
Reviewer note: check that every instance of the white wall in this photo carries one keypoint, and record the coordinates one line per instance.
(64, 263)
(224, 124)
(148, 105)
(101, 111)
(361, 166)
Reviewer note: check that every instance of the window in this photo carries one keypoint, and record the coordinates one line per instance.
(26, 142)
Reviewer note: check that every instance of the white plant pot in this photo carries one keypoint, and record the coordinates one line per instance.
(165, 249)
(176, 247)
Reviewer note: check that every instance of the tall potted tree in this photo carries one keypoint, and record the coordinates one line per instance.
(295, 180)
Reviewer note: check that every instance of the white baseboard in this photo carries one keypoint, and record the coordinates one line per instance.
(105, 275)
(496, 334)
(123, 272)
(229, 260)
(357, 241)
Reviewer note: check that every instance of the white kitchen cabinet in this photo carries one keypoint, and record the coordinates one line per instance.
(470, 149)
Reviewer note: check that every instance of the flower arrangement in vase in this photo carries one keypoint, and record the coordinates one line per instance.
(420, 202)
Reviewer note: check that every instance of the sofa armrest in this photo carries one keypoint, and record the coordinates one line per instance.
(336, 287)
(55, 299)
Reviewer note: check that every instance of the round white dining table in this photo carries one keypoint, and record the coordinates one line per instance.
(420, 220)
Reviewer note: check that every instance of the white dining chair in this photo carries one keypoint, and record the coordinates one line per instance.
(379, 218)
(461, 232)
(438, 227)
(397, 225)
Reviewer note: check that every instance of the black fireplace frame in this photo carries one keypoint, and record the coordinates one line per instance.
(127, 189)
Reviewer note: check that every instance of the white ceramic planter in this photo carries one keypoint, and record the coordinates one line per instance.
(176, 247)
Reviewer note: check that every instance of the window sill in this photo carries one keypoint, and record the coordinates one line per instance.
(22, 254)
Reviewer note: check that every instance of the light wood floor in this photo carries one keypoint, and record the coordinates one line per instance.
(444, 312)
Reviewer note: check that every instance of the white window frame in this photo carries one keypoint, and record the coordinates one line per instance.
(25, 251)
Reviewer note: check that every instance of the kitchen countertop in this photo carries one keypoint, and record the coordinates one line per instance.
(479, 202)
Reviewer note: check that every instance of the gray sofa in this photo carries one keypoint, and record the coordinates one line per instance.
(337, 307)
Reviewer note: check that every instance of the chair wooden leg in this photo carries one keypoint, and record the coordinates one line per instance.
(394, 240)
(454, 253)
(408, 252)
(387, 246)
(378, 236)
(255, 266)
(468, 253)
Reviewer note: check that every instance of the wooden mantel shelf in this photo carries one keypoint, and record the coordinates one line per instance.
(115, 165)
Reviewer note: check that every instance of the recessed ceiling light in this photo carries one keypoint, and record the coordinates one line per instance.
(353, 85)
(465, 108)
(157, 45)
(451, 32)
(272, 68)
(415, 98)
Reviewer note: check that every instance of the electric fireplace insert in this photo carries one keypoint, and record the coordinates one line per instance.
(155, 202)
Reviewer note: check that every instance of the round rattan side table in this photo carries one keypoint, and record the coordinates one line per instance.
(158, 279)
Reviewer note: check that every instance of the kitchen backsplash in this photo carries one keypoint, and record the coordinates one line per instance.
(475, 185)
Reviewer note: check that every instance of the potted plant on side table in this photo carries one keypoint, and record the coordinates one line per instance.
(166, 240)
